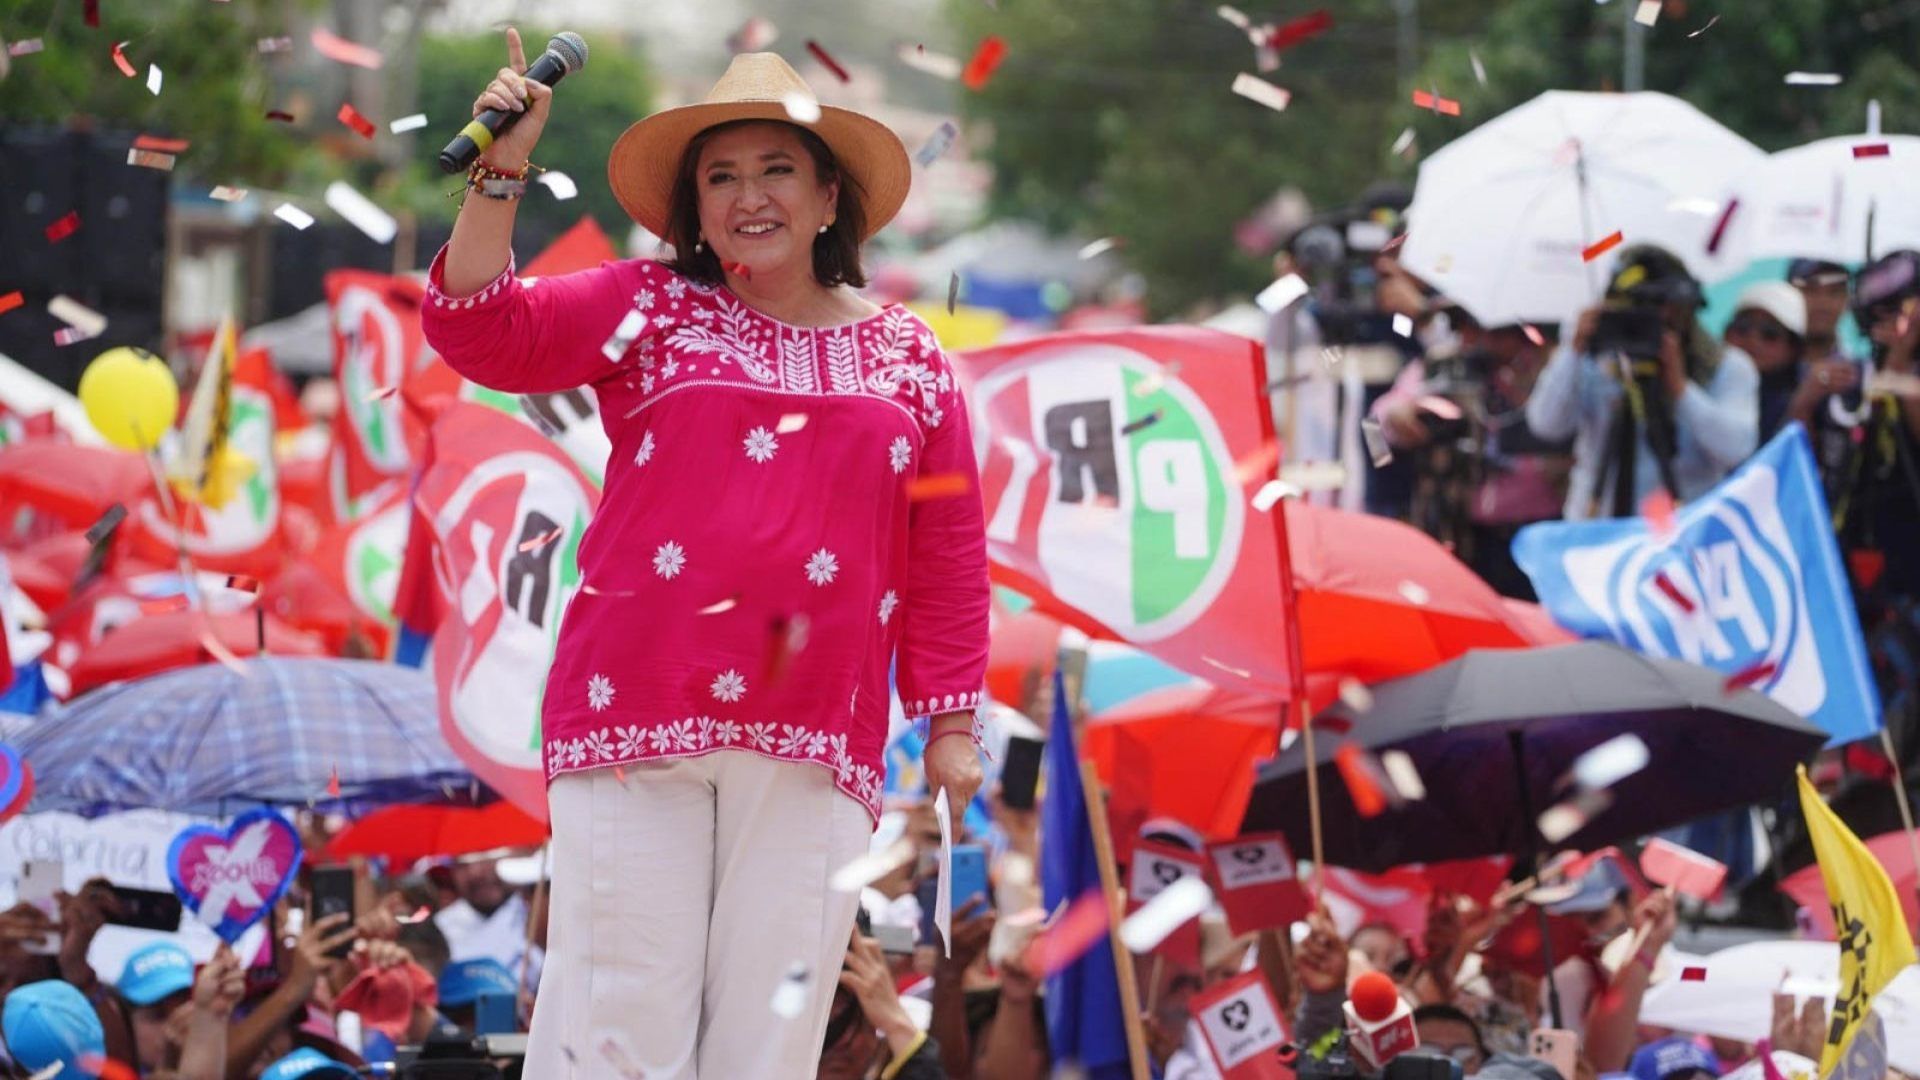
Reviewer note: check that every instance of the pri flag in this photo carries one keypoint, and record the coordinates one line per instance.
(1116, 469)
(502, 511)
(1243, 1029)
(1257, 883)
(1874, 944)
(1747, 581)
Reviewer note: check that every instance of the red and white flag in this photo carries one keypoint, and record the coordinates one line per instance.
(1257, 883)
(1243, 1028)
(1155, 866)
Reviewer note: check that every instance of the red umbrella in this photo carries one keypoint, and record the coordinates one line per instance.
(1185, 752)
(309, 600)
(407, 834)
(1808, 890)
(176, 639)
(1021, 653)
(73, 483)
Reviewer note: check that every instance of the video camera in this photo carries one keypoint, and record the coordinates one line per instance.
(1419, 1063)
(1335, 254)
(1885, 286)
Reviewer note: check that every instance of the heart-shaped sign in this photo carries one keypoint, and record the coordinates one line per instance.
(232, 877)
(16, 783)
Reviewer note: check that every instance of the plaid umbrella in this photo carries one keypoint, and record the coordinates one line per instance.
(209, 740)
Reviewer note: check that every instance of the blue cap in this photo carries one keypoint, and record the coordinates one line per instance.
(462, 983)
(155, 972)
(309, 1064)
(1659, 1060)
(51, 1021)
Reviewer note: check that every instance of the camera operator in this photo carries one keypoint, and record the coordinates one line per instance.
(1825, 288)
(1650, 399)
(1769, 324)
(1482, 474)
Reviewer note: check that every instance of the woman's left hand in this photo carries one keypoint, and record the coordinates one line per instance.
(952, 762)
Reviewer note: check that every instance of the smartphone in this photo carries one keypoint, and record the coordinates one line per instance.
(894, 939)
(1020, 774)
(1557, 1047)
(969, 876)
(40, 881)
(146, 909)
(333, 895)
(493, 1014)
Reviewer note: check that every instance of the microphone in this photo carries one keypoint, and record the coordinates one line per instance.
(565, 54)
(1381, 1021)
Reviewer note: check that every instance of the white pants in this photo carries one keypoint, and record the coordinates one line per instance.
(681, 899)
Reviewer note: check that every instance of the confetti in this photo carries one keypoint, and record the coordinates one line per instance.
(1272, 492)
(120, 60)
(1443, 408)
(382, 393)
(616, 1051)
(1135, 426)
(1534, 335)
(936, 143)
(1564, 819)
(333, 783)
(1403, 325)
(98, 532)
(803, 108)
(953, 291)
(106, 1068)
(281, 115)
(342, 51)
(1234, 16)
(1282, 293)
(790, 997)
(560, 184)
(243, 583)
(985, 59)
(90, 13)
(1257, 465)
(1099, 247)
(615, 347)
(1720, 227)
(1228, 668)
(11, 300)
(1403, 775)
(86, 321)
(939, 65)
(1657, 508)
(1403, 143)
(1869, 150)
(937, 486)
(1315, 475)
(1812, 78)
(1080, 926)
(738, 269)
(1355, 695)
(1415, 593)
(1693, 974)
(1258, 90)
(293, 215)
(826, 59)
(1672, 592)
(717, 607)
(1170, 909)
(1601, 247)
(1479, 69)
(1749, 676)
(1705, 28)
(1378, 451)
(24, 48)
(228, 194)
(1610, 762)
(351, 117)
(1647, 13)
(871, 866)
(408, 123)
(538, 542)
(274, 44)
(1368, 800)
(754, 35)
(1440, 106)
(1300, 29)
(361, 212)
(790, 423)
(153, 79)
(161, 145)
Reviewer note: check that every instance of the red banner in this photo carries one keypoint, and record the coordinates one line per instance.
(1116, 468)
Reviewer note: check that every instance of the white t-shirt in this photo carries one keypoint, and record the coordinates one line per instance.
(501, 936)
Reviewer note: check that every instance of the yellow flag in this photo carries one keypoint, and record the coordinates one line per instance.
(1874, 944)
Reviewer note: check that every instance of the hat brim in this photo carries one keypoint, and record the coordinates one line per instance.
(646, 157)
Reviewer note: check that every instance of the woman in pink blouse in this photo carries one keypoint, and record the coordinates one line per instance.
(777, 533)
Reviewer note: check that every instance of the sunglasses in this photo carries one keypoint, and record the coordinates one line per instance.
(1769, 332)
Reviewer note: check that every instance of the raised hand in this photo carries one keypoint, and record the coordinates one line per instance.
(510, 91)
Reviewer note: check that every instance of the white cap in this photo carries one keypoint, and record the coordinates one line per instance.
(1778, 299)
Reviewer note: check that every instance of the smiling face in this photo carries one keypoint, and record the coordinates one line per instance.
(762, 198)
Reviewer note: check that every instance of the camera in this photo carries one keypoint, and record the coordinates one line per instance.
(1884, 286)
(1635, 331)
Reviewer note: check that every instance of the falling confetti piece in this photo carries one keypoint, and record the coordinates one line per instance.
(716, 608)
(1479, 69)
(790, 997)
(1749, 676)
(1403, 325)
(1315, 475)
(153, 79)
(1234, 16)
(1300, 29)
(1440, 106)
(243, 583)
(1355, 695)
(754, 35)
(63, 226)
(1415, 593)
(274, 44)
(88, 322)
(293, 215)
(1601, 247)
(10, 301)
(1610, 762)
(1403, 775)
(1564, 819)
(1272, 492)
(939, 65)
(560, 184)
(281, 115)
(1228, 668)
(937, 486)
(1368, 800)
(1170, 909)
(161, 145)
(953, 291)
(408, 123)
(1265, 57)
(790, 423)
(738, 269)
(1693, 974)
(936, 143)
(382, 393)
(1869, 150)
(1647, 13)
(1403, 143)
(228, 194)
(120, 60)
(1378, 450)
(1282, 293)
(1812, 78)
(90, 13)
(1534, 335)
(24, 48)
(1256, 89)
(1672, 592)
(538, 542)
(351, 117)
(1078, 928)
(1720, 228)
(1099, 247)
(1142, 424)
(871, 866)
(106, 1068)
(1257, 467)
(333, 783)
(361, 212)
(801, 107)
(1657, 508)
(98, 532)
(826, 59)
(985, 59)
(1705, 28)
(342, 51)
(624, 335)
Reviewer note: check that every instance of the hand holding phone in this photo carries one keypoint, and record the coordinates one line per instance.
(1557, 1047)
(333, 889)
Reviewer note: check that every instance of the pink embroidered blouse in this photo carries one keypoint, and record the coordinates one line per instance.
(759, 557)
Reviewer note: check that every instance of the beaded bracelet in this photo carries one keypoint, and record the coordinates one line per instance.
(498, 183)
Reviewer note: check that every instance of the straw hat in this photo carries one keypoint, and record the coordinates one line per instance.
(647, 155)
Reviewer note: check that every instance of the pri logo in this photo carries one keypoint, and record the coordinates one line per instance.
(1250, 855)
(373, 345)
(1236, 1015)
(1132, 484)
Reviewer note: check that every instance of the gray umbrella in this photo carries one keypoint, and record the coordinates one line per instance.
(1476, 726)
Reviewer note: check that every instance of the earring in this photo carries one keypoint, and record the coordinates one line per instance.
(700, 244)
(823, 228)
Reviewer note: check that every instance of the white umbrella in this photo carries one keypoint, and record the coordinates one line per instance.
(1735, 1000)
(1820, 200)
(1502, 215)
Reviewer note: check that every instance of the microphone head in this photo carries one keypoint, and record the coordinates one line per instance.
(571, 48)
(1374, 997)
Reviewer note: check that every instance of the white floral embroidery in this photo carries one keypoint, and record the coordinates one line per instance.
(793, 741)
(599, 746)
(822, 565)
(761, 445)
(646, 387)
(760, 737)
(643, 299)
(702, 731)
(599, 693)
(577, 753)
(899, 454)
(726, 732)
(663, 321)
(646, 441)
(888, 602)
(677, 288)
(629, 745)
(668, 559)
(816, 744)
(671, 367)
(728, 686)
(661, 739)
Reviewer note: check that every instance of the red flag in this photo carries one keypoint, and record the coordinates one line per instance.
(1155, 866)
(582, 247)
(1243, 1028)
(1257, 883)
(1683, 870)
(1147, 536)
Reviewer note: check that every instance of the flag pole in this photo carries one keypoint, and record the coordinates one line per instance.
(1906, 808)
(1096, 801)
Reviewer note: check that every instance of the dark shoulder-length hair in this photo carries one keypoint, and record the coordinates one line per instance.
(836, 252)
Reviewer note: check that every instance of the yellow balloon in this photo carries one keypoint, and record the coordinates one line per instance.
(131, 397)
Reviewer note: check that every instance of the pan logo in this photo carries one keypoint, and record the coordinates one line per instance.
(1727, 591)
(1114, 474)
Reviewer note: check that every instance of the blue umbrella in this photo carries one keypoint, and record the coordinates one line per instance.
(209, 740)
